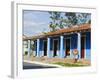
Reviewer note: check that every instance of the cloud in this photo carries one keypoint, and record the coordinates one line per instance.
(31, 23)
(32, 28)
(35, 22)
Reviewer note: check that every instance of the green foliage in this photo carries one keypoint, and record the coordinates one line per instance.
(69, 19)
(83, 18)
(72, 18)
(70, 64)
(55, 17)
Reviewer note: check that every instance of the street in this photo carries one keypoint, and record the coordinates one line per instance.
(27, 65)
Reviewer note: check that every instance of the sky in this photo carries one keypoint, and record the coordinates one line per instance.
(36, 22)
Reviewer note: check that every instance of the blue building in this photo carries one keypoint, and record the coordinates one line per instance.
(61, 43)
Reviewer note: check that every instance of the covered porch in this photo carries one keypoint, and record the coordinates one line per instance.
(61, 43)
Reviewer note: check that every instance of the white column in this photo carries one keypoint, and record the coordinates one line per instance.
(48, 47)
(79, 44)
(35, 50)
(29, 47)
(61, 46)
(38, 46)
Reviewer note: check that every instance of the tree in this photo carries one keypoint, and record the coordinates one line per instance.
(52, 26)
(59, 21)
(55, 17)
(83, 18)
(71, 19)
(77, 18)
(62, 23)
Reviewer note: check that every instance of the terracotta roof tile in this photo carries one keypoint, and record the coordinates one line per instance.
(72, 29)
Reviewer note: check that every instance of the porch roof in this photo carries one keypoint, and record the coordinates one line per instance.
(76, 28)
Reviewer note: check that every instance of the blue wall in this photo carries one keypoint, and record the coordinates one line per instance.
(88, 45)
(51, 43)
(41, 45)
(73, 44)
(73, 41)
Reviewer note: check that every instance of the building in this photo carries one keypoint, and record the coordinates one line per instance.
(61, 43)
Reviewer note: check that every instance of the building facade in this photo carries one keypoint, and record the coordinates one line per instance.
(61, 43)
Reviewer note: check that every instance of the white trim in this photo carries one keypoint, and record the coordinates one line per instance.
(14, 41)
(79, 44)
(38, 47)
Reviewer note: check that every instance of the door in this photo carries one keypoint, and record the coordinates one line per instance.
(83, 46)
(45, 48)
(67, 47)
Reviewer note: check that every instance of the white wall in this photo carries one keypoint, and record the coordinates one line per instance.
(5, 39)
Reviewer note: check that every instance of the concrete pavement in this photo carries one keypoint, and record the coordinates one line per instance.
(27, 65)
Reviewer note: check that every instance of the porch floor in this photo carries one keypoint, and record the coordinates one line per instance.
(45, 59)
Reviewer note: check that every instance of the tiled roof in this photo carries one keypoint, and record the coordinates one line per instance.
(76, 28)
(71, 29)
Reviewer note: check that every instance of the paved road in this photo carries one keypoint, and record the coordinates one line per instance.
(27, 65)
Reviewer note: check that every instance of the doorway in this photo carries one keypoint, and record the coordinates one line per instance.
(83, 41)
(67, 47)
(55, 43)
(45, 48)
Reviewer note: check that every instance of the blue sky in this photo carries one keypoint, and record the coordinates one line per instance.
(35, 22)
